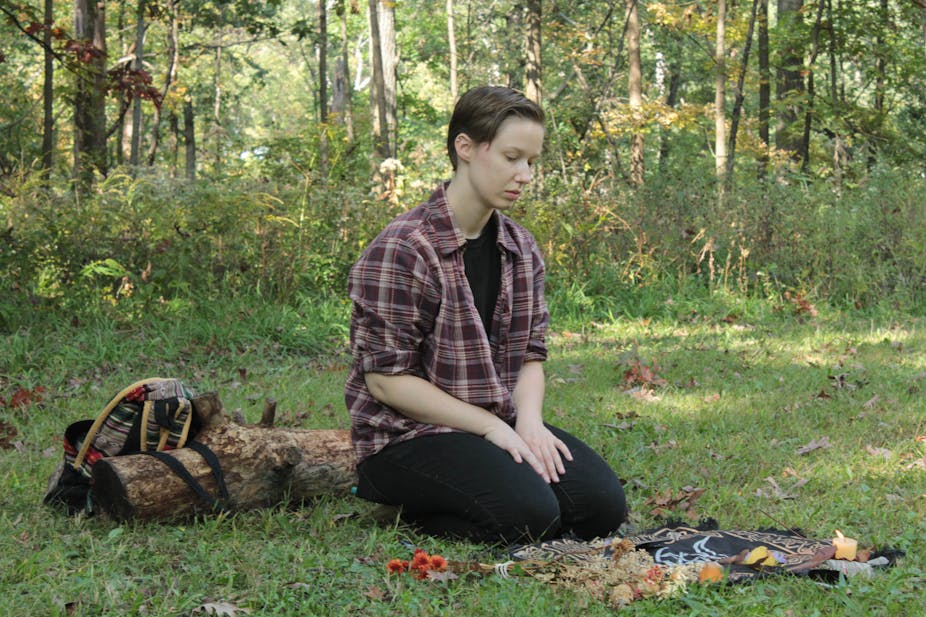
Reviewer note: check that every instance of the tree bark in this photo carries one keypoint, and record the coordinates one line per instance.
(789, 83)
(740, 93)
(173, 54)
(135, 151)
(387, 38)
(635, 91)
(189, 138)
(811, 94)
(262, 467)
(90, 94)
(452, 47)
(341, 97)
(533, 72)
(765, 88)
(323, 90)
(48, 93)
(378, 87)
(720, 81)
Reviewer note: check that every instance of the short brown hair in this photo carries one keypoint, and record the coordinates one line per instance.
(480, 111)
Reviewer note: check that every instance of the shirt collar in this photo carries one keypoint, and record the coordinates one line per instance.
(448, 235)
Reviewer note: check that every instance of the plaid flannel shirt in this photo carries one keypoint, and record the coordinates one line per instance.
(413, 313)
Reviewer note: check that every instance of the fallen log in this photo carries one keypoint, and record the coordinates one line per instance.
(262, 466)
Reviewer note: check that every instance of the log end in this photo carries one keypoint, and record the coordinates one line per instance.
(108, 492)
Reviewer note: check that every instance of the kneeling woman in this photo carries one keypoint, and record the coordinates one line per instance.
(446, 386)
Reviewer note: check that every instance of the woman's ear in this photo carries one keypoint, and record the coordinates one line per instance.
(464, 147)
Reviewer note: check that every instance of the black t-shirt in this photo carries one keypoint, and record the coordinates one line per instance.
(483, 270)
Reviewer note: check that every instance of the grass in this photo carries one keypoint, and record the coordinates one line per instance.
(733, 396)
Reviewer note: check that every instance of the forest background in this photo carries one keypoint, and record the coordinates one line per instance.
(159, 154)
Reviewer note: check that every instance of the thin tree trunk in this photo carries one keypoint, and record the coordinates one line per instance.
(323, 89)
(452, 45)
(635, 91)
(838, 148)
(90, 94)
(189, 139)
(534, 69)
(675, 82)
(880, 64)
(387, 39)
(515, 46)
(135, 152)
(808, 116)
(378, 88)
(217, 104)
(173, 39)
(720, 67)
(740, 93)
(789, 83)
(48, 93)
(341, 97)
(765, 88)
(174, 142)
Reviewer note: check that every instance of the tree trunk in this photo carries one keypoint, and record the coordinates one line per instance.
(765, 89)
(452, 46)
(675, 83)
(174, 142)
(811, 94)
(880, 63)
(173, 47)
(378, 87)
(48, 93)
(533, 70)
(90, 93)
(720, 81)
(217, 105)
(135, 151)
(740, 93)
(341, 97)
(323, 90)
(262, 466)
(789, 83)
(387, 38)
(635, 91)
(189, 138)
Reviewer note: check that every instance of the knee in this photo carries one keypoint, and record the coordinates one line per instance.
(532, 519)
(606, 513)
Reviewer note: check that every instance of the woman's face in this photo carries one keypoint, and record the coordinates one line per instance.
(499, 170)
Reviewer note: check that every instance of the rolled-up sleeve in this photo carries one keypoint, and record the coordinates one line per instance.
(540, 316)
(388, 290)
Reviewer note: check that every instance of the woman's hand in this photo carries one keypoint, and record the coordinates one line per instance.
(507, 439)
(546, 447)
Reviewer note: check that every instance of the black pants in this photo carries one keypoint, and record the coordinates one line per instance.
(460, 485)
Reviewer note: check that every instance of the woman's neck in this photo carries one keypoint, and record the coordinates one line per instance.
(470, 217)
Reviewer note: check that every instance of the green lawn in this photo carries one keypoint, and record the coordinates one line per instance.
(817, 423)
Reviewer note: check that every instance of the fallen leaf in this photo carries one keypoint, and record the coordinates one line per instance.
(220, 609)
(872, 402)
(777, 492)
(882, 452)
(816, 444)
(8, 433)
(375, 592)
(445, 576)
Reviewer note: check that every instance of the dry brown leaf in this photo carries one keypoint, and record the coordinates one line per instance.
(220, 609)
(882, 452)
(816, 444)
